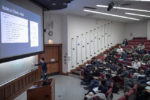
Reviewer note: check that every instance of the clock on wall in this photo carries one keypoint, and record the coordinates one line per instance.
(49, 32)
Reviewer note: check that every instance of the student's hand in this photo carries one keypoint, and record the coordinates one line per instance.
(90, 94)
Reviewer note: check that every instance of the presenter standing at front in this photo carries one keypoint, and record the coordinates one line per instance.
(43, 65)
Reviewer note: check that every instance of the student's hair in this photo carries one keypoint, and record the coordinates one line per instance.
(42, 59)
(103, 82)
(108, 76)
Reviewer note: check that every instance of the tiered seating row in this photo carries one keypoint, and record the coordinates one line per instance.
(131, 95)
(137, 41)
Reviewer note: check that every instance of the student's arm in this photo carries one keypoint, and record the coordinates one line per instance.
(37, 64)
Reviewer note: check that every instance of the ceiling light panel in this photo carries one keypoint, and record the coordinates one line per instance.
(135, 14)
(108, 14)
(123, 8)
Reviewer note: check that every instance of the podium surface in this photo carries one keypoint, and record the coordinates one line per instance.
(42, 92)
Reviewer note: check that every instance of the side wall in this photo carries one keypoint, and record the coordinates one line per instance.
(88, 37)
(82, 37)
(53, 22)
(148, 29)
(135, 29)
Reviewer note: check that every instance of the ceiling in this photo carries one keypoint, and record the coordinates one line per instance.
(76, 8)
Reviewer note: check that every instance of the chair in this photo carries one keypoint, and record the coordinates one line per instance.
(144, 67)
(135, 90)
(122, 98)
(109, 94)
(130, 95)
(111, 84)
(102, 75)
(95, 98)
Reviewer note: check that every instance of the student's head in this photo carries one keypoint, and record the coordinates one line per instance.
(95, 68)
(103, 82)
(141, 71)
(136, 60)
(42, 59)
(136, 70)
(107, 76)
(124, 68)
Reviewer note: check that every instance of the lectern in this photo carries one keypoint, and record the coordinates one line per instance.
(42, 90)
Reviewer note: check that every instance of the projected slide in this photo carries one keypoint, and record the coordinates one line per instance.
(21, 32)
(13, 29)
(34, 34)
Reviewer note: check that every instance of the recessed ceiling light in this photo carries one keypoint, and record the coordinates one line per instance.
(108, 14)
(134, 14)
(123, 8)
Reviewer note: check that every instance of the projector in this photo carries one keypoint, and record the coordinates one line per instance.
(110, 6)
(52, 4)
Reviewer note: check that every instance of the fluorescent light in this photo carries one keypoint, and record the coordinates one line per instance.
(108, 14)
(134, 14)
(140, 0)
(123, 8)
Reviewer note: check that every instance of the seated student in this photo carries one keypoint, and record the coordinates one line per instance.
(119, 70)
(125, 72)
(136, 64)
(125, 42)
(119, 50)
(128, 51)
(93, 83)
(87, 75)
(108, 79)
(135, 55)
(108, 58)
(114, 59)
(94, 61)
(113, 51)
(142, 46)
(123, 56)
(142, 77)
(114, 67)
(102, 89)
(96, 71)
(133, 49)
(146, 57)
(147, 72)
(139, 50)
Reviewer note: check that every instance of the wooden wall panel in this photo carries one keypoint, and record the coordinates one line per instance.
(2, 93)
(14, 88)
(52, 51)
(52, 68)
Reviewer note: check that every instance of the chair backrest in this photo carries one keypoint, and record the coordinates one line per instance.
(109, 94)
(122, 98)
(111, 84)
(95, 98)
(135, 90)
(101, 75)
(130, 95)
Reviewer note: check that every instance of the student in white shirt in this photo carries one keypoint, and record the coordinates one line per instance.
(119, 50)
(136, 64)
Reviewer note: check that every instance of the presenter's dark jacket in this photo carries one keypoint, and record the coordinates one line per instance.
(43, 66)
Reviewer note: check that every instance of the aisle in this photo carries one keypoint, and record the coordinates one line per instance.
(68, 88)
